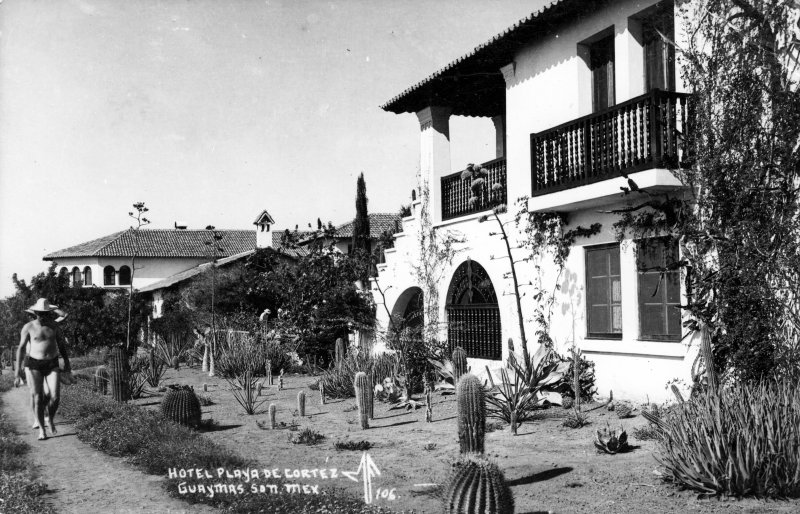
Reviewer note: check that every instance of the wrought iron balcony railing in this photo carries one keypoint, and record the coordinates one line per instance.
(459, 198)
(645, 132)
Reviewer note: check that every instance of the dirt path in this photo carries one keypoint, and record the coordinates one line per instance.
(83, 480)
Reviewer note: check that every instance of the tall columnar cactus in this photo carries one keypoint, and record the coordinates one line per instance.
(341, 350)
(301, 403)
(175, 364)
(182, 406)
(708, 357)
(273, 424)
(471, 407)
(268, 367)
(321, 393)
(428, 404)
(459, 363)
(119, 375)
(258, 389)
(371, 397)
(363, 389)
(101, 379)
(576, 376)
(477, 485)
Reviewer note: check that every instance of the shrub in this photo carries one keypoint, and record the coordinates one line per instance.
(358, 446)
(93, 358)
(307, 436)
(338, 381)
(237, 354)
(645, 433)
(740, 441)
(576, 419)
(172, 344)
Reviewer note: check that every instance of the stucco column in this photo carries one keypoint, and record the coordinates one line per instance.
(434, 147)
(629, 62)
(499, 135)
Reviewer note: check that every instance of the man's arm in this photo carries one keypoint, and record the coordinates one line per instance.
(24, 335)
(61, 341)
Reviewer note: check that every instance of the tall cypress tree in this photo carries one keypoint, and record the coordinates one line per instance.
(361, 223)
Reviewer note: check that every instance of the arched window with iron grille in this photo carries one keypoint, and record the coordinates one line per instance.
(473, 316)
(87, 276)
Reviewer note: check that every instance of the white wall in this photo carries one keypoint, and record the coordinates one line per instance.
(148, 270)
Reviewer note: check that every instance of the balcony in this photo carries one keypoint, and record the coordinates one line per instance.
(643, 133)
(457, 192)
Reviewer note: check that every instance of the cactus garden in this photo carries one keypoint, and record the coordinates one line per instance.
(455, 453)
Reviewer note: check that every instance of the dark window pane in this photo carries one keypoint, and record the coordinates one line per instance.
(659, 289)
(603, 291)
(598, 319)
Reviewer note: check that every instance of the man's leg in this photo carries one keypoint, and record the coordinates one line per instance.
(37, 380)
(52, 383)
(45, 394)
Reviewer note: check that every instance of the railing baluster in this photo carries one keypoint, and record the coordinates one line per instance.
(651, 129)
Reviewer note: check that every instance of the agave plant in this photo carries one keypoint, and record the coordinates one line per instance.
(519, 390)
(446, 377)
(611, 441)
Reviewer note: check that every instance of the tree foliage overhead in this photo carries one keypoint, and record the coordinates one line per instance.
(739, 218)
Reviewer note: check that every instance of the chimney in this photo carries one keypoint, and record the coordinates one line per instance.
(263, 225)
(179, 225)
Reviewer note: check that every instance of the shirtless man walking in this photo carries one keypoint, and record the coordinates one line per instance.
(46, 344)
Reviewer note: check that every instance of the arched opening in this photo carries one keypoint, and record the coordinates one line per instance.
(76, 277)
(409, 308)
(124, 276)
(473, 316)
(87, 276)
(109, 276)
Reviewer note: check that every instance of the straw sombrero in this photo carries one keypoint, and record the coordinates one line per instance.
(42, 305)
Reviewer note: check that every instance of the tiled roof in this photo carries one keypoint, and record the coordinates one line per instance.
(160, 243)
(378, 223)
(291, 252)
(488, 57)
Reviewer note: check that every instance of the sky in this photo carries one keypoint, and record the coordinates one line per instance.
(210, 111)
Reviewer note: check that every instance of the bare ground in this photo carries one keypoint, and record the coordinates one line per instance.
(549, 467)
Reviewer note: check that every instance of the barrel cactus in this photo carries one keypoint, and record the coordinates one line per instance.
(470, 398)
(363, 387)
(119, 375)
(273, 424)
(101, 380)
(459, 363)
(567, 402)
(477, 485)
(301, 403)
(181, 405)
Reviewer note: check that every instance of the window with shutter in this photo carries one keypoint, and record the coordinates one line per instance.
(659, 290)
(603, 292)
(601, 64)
(659, 54)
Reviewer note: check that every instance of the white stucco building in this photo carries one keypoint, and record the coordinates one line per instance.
(160, 253)
(582, 94)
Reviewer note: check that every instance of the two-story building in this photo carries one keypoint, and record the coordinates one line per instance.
(584, 96)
